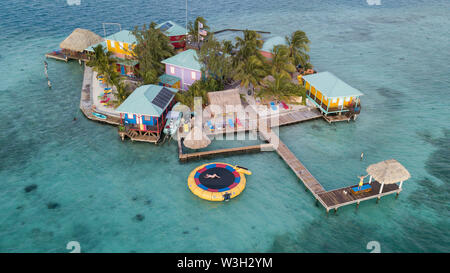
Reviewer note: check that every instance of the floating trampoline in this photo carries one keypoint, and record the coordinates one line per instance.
(217, 181)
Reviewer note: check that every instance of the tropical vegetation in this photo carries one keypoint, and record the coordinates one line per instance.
(225, 61)
(193, 27)
(104, 64)
(152, 46)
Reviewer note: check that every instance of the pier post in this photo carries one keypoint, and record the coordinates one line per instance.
(357, 204)
(335, 210)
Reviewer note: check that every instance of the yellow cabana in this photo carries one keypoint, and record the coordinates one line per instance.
(330, 94)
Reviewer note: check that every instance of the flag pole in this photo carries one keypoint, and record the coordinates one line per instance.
(186, 17)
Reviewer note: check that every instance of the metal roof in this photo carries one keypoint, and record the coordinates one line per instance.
(186, 59)
(149, 100)
(331, 86)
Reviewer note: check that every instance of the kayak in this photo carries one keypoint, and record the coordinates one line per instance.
(99, 115)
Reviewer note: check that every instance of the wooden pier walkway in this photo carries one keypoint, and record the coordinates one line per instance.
(248, 126)
(297, 116)
(227, 151)
(236, 30)
(292, 161)
(329, 199)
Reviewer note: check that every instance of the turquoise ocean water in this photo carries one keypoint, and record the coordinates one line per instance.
(91, 186)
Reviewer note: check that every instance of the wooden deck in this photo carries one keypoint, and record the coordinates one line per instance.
(86, 103)
(329, 199)
(137, 137)
(298, 116)
(248, 126)
(337, 118)
(342, 197)
(64, 57)
(227, 151)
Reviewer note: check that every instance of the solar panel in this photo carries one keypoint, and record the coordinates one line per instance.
(166, 26)
(163, 98)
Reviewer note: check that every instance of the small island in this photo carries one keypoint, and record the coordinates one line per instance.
(164, 81)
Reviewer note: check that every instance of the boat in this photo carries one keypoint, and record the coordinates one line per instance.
(172, 122)
(99, 115)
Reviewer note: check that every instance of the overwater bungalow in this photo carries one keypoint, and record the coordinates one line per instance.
(175, 32)
(143, 113)
(73, 47)
(185, 67)
(335, 99)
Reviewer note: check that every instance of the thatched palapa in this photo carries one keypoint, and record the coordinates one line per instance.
(388, 172)
(196, 139)
(223, 102)
(80, 39)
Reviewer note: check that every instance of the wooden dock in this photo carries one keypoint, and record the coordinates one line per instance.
(134, 136)
(329, 199)
(298, 116)
(86, 102)
(227, 151)
(237, 30)
(248, 126)
(342, 197)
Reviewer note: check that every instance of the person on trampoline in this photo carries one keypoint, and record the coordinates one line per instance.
(211, 175)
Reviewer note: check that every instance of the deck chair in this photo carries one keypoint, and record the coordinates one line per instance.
(364, 188)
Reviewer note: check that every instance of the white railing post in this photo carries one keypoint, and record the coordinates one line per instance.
(381, 189)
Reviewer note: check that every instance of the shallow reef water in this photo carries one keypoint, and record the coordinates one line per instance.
(68, 180)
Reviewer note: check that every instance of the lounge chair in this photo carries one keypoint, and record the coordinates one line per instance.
(238, 122)
(105, 101)
(231, 123)
(273, 106)
(211, 127)
(285, 106)
(364, 188)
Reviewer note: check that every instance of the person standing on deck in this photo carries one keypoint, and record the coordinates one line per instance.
(361, 181)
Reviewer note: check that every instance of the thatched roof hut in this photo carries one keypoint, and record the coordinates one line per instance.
(223, 102)
(388, 172)
(80, 39)
(196, 139)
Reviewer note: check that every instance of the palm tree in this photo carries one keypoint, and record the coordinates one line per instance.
(281, 88)
(151, 47)
(281, 62)
(216, 63)
(250, 72)
(248, 46)
(121, 93)
(298, 44)
(227, 46)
